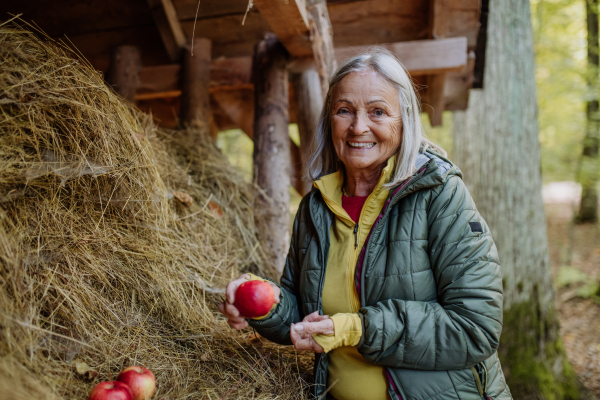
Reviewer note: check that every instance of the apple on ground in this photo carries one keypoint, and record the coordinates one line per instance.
(254, 299)
(140, 380)
(112, 390)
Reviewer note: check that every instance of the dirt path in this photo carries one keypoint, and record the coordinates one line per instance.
(577, 247)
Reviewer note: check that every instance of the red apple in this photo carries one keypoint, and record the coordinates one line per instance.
(140, 380)
(254, 299)
(111, 391)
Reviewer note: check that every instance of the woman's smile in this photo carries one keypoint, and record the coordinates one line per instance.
(361, 145)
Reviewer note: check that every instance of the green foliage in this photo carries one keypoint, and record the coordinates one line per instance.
(560, 48)
(238, 149)
(586, 286)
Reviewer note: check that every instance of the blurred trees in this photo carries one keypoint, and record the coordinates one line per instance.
(588, 173)
(561, 62)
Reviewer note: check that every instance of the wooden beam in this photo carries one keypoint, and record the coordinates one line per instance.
(439, 16)
(321, 33)
(422, 57)
(438, 23)
(195, 96)
(170, 29)
(272, 147)
(435, 98)
(288, 20)
(458, 85)
(124, 73)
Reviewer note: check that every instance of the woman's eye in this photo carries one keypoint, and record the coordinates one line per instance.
(379, 113)
(343, 111)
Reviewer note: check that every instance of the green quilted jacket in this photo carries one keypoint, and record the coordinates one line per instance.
(429, 283)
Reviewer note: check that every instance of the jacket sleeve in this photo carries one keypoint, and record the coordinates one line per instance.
(276, 326)
(462, 327)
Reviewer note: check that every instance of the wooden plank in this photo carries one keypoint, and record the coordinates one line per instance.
(422, 57)
(72, 17)
(288, 20)
(97, 48)
(224, 72)
(158, 95)
(169, 27)
(229, 37)
(188, 9)
(357, 23)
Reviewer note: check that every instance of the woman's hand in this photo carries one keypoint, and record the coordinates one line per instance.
(302, 332)
(227, 308)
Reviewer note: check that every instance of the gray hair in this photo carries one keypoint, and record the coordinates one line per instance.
(323, 159)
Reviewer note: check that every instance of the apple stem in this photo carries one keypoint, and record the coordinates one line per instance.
(242, 378)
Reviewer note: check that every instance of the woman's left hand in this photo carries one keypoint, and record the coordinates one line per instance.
(302, 332)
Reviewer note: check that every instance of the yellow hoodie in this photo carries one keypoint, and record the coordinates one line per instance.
(350, 375)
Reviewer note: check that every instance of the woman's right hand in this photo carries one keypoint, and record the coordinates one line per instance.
(227, 308)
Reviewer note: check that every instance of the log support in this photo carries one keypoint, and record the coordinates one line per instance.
(321, 33)
(195, 90)
(309, 102)
(438, 21)
(272, 147)
(124, 72)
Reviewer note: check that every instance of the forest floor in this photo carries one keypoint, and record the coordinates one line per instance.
(575, 261)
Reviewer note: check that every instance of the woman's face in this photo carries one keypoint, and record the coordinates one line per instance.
(366, 121)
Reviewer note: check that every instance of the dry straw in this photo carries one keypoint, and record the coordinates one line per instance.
(116, 240)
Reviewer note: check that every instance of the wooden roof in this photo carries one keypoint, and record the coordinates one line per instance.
(96, 27)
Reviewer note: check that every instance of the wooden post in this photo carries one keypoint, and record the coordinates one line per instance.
(321, 33)
(309, 102)
(272, 147)
(124, 72)
(195, 94)
(438, 15)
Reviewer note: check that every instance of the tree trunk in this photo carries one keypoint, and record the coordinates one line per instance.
(124, 71)
(588, 174)
(272, 147)
(496, 145)
(195, 94)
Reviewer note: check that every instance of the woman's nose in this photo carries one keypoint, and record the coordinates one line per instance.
(360, 124)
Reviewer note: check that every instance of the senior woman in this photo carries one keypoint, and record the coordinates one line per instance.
(392, 276)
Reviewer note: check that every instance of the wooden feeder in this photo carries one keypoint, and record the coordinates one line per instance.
(260, 68)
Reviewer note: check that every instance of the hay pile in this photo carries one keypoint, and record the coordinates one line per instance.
(115, 241)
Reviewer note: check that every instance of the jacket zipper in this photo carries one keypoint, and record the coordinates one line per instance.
(395, 386)
(386, 211)
(356, 236)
